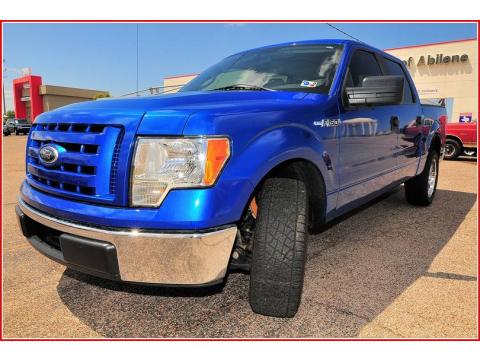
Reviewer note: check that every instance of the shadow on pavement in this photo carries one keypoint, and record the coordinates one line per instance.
(356, 267)
(467, 159)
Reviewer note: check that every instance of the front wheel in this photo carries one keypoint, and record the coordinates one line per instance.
(279, 248)
(421, 189)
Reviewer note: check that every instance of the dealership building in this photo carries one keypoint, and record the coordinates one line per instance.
(444, 73)
(31, 97)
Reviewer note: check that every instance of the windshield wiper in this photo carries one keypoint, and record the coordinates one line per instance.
(242, 87)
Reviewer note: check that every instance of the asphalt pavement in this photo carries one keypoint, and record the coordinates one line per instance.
(387, 270)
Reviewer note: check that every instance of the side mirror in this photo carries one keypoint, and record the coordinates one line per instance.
(377, 90)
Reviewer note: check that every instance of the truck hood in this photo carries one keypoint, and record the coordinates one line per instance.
(168, 114)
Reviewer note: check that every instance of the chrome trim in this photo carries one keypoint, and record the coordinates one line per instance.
(176, 259)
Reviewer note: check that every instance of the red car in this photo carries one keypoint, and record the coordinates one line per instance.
(461, 139)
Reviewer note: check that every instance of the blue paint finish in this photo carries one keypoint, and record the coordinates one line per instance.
(183, 209)
(359, 157)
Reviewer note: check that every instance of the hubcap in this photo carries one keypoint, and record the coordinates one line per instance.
(432, 177)
(449, 149)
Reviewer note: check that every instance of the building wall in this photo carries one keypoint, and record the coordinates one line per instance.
(176, 82)
(455, 80)
(31, 98)
(57, 96)
(26, 97)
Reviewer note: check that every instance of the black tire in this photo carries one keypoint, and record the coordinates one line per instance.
(453, 149)
(279, 248)
(16, 133)
(417, 188)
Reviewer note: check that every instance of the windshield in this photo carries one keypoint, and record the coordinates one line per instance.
(21, 121)
(302, 68)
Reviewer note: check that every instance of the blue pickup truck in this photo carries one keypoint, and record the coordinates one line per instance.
(232, 172)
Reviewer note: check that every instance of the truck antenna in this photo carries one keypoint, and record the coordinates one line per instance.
(343, 32)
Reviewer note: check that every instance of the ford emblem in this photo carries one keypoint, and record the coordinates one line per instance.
(49, 154)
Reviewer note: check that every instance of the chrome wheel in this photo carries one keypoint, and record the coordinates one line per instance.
(432, 177)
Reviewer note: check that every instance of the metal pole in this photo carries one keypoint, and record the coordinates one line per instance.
(3, 94)
(4, 77)
(137, 61)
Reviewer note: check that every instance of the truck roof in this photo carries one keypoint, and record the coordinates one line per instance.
(318, 41)
(345, 42)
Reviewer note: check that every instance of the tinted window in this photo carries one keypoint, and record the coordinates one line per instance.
(362, 64)
(394, 68)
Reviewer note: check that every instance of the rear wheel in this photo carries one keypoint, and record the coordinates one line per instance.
(421, 189)
(453, 149)
(279, 248)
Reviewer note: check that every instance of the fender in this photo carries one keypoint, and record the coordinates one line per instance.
(454, 137)
(435, 130)
(280, 144)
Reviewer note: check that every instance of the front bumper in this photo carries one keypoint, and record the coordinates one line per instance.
(130, 255)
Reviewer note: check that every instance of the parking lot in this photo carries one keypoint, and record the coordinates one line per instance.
(388, 270)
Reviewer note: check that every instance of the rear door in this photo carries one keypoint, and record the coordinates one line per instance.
(406, 120)
(367, 142)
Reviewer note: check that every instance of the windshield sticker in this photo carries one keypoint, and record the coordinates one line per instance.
(307, 83)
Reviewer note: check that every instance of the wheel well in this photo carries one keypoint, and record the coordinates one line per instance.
(453, 137)
(436, 143)
(307, 172)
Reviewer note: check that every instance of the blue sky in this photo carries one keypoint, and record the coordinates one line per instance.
(103, 56)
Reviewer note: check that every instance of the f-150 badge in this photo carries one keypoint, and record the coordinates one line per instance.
(327, 122)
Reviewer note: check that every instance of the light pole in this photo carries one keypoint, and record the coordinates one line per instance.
(4, 77)
(21, 72)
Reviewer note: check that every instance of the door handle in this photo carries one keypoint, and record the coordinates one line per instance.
(394, 123)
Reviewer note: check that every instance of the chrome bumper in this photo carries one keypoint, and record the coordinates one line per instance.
(160, 258)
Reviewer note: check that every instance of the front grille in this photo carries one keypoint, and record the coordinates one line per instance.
(115, 159)
(87, 167)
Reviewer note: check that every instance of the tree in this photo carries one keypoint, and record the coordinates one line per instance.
(101, 96)
(10, 114)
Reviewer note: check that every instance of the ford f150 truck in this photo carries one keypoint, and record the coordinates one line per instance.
(461, 138)
(234, 171)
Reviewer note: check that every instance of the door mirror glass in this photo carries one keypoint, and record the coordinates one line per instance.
(377, 90)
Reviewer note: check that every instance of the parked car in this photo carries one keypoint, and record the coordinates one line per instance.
(234, 171)
(6, 132)
(461, 139)
(18, 126)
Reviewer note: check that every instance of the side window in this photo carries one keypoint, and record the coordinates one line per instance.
(394, 68)
(362, 64)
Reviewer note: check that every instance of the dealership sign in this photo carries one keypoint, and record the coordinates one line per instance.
(436, 59)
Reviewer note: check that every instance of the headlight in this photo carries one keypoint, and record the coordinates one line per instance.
(161, 164)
